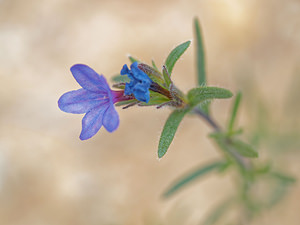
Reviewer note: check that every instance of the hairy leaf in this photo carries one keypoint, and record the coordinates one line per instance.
(200, 57)
(154, 74)
(200, 94)
(169, 130)
(167, 77)
(175, 55)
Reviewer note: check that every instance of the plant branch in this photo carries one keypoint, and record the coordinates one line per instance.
(243, 162)
(207, 118)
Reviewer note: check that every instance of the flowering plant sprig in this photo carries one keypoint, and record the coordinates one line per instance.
(145, 85)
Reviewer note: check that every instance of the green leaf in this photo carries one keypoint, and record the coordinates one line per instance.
(175, 55)
(192, 176)
(169, 130)
(132, 60)
(125, 102)
(167, 77)
(154, 65)
(216, 214)
(120, 79)
(231, 153)
(201, 94)
(243, 148)
(119, 85)
(282, 177)
(154, 74)
(155, 100)
(200, 57)
(234, 112)
(200, 63)
(279, 191)
(204, 107)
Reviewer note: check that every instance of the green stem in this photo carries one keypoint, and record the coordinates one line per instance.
(244, 163)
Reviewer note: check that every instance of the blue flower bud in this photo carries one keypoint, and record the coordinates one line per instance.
(139, 82)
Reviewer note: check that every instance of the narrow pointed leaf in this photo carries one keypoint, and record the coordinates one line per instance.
(200, 63)
(155, 100)
(175, 55)
(200, 57)
(244, 149)
(132, 59)
(154, 65)
(283, 177)
(193, 176)
(234, 112)
(169, 130)
(154, 74)
(166, 77)
(225, 144)
(217, 213)
(201, 94)
(125, 102)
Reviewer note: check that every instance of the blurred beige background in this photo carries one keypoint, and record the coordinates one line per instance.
(49, 176)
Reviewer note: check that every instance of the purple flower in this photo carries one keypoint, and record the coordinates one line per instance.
(95, 99)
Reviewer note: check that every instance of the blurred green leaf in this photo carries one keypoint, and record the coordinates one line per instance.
(154, 65)
(262, 169)
(283, 177)
(192, 176)
(225, 166)
(200, 94)
(225, 144)
(120, 79)
(169, 130)
(200, 57)
(243, 148)
(132, 60)
(175, 55)
(204, 107)
(119, 85)
(234, 112)
(219, 211)
(280, 189)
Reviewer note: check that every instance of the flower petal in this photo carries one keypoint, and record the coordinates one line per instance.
(81, 101)
(141, 92)
(92, 122)
(89, 79)
(139, 82)
(125, 70)
(139, 74)
(111, 119)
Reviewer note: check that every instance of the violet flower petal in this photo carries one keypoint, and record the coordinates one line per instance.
(80, 101)
(92, 122)
(89, 79)
(111, 119)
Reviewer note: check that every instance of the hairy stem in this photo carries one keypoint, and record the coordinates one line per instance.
(207, 118)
